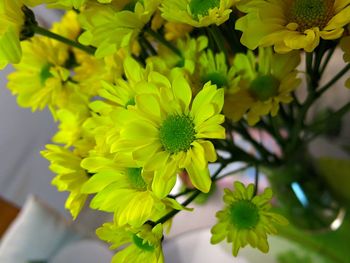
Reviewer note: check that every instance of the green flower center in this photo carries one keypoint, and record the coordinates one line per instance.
(45, 73)
(135, 178)
(202, 7)
(244, 214)
(131, 102)
(177, 133)
(139, 242)
(216, 78)
(264, 87)
(311, 13)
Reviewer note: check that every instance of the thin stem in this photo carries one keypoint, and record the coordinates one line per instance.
(329, 120)
(327, 59)
(43, 31)
(233, 172)
(333, 80)
(174, 212)
(219, 39)
(163, 41)
(257, 174)
(188, 200)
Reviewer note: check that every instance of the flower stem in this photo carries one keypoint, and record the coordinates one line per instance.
(333, 80)
(187, 201)
(43, 31)
(163, 41)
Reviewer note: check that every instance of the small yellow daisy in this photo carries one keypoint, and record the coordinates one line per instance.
(262, 84)
(109, 29)
(123, 188)
(40, 78)
(139, 245)
(246, 219)
(166, 132)
(291, 24)
(197, 13)
(70, 176)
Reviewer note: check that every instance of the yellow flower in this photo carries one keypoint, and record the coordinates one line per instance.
(345, 45)
(197, 13)
(11, 22)
(70, 176)
(214, 68)
(71, 119)
(68, 26)
(124, 188)
(39, 79)
(166, 132)
(246, 219)
(109, 29)
(139, 245)
(190, 48)
(291, 24)
(262, 84)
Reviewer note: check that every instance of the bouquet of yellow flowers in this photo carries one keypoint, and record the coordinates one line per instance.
(146, 90)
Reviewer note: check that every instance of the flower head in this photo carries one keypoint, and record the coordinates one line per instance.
(109, 29)
(246, 219)
(197, 13)
(141, 244)
(124, 188)
(261, 84)
(166, 132)
(70, 176)
(291, 24)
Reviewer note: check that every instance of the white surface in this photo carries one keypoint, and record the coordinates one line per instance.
(36, 234)
(85, 251)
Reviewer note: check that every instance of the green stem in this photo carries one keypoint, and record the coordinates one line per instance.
(327, 59)
(329, 120)
(187, 201)
(163, 41)
(333, 80)
(232, 172)
(219, 39)
(43, 31)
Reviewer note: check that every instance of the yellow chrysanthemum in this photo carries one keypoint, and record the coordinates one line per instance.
(291, 24)
(345, 45)
(124, 188)
(166, 132)
(68, 26)
(70, 122)
(109, 29)
(70, 176)
(197, 13)
(214, 68)
(190, 49)
(246, 219)
(262, 84)
(40, 78)
(139, 245)
(11, 22)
